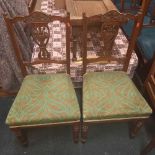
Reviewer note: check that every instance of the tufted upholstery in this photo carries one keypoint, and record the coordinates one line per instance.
(111, 95)
(44, 99)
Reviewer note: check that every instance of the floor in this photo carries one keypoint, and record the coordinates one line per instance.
(104, 139)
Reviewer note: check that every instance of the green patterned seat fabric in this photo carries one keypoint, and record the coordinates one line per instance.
(44, 99)
(111, 95)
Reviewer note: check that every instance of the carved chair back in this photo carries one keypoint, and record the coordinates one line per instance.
(38, 24)
(110, 24)
(150, 84)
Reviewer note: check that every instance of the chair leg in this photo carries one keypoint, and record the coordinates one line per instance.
(149, 147)
(76, 132)
(135, 126)
(84, 132)
(21, 136)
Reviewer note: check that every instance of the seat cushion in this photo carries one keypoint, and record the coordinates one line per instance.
(146, 43)
(44, 99)
(112, 95)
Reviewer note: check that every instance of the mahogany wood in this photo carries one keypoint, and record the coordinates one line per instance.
(38, 24)
(110, 22)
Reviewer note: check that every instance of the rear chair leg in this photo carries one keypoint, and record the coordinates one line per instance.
(84, 133)
(149, 147)
(76, 132)
(21, 136)
(135, 126)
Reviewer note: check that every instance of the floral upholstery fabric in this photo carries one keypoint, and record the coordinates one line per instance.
(111, 95)
(44, 99)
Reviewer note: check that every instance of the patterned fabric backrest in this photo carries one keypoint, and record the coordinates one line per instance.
(38, 25)
(150, 84)
(109, 25)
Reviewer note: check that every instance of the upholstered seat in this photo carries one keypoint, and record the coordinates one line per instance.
(44, 99)
(146, 42)
(112, 95)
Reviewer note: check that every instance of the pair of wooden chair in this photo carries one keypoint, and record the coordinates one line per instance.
(50, 99)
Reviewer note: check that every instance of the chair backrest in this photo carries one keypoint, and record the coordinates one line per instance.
(38, 23)
(150, 84)
(110, 24)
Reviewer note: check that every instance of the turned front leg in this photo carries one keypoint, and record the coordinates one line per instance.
(84, 133)
(76, 132)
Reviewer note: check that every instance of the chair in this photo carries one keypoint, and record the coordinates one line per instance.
(145, 43)
(145, 50)
(127, 29)
(150, 88)
(111, 96)
(43, 100)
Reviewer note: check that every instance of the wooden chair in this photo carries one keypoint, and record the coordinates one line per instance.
(145, 47)
(127, 5)
(145, 43)
(150, 88)
(43, 100)
(111, 96)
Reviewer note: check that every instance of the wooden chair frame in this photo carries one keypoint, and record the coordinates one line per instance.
(38, 23)
(112, 18)
(150, 89)
(115, 18)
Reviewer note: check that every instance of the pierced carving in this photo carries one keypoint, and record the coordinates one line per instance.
(111, 22)
(38, 24)
(108, 35)
(41, 34)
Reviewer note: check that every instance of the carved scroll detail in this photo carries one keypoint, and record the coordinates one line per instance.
(41, 34)
(37, 17)
(111, 22)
